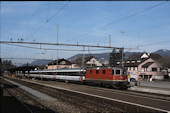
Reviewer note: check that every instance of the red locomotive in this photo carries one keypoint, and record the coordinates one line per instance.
(113, 76)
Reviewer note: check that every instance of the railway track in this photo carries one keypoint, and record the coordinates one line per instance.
(110, 89)
(30, 103)
(134, 93)
(91, 103)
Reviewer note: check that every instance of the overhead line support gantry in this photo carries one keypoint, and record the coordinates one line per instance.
(38, 43)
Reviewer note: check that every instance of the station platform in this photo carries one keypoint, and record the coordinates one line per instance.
(157, 87)
(36, 93)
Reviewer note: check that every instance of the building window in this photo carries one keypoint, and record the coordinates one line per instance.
(136, 68)
(145, 69)
(133, 61)
(145, 76)
(97, 71)
(154, 69)
(104, 71)
(139, 61)
(63, 62)
(58, 67)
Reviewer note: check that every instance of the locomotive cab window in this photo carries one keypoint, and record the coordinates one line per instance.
(91, 71)
(117, 72)
(97, 71)
(104, 71)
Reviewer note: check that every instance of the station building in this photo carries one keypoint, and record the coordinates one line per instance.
(59, 64)
(146, 67)
(87, 61)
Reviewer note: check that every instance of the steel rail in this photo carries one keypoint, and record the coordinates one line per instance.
(19, 100)
(133, 104)
(153, 96)
(82, 100)
(116, 100)
(41, 104)
(58, 91)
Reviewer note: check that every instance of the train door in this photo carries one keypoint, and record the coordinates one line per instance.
(54, 75)
(113, 74)
(110, 74)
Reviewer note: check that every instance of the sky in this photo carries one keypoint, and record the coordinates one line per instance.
(146, 26)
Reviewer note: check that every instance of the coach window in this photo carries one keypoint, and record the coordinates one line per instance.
(97, 71)
(104, 71)
(117, 72)
(91, 71)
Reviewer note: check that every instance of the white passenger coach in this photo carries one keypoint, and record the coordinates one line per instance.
(77, 74)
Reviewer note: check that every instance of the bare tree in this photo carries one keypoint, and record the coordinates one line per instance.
(6, 64)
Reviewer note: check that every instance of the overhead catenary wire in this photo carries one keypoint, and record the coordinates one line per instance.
(35, 12)
(48, 20)
(25, 58)
(27, 24)
(116, 21)
(155, 43)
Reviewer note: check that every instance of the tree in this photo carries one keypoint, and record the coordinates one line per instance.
(115, 56)
(0, 67)
(165, 62)
(112, 57)
(6, 64)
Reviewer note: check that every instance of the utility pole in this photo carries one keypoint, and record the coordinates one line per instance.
(57, 60)
(52, 62)
(57, 32)
(82, 65)
(57, 43)
(122, 48)
(138, 41)
(109, 41)
(88, 50)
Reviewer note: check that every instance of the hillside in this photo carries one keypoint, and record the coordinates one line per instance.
(163, 52)
(41, 62)
(102, 57)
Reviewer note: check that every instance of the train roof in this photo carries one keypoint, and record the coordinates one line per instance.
(61, 70)
(105, 68)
